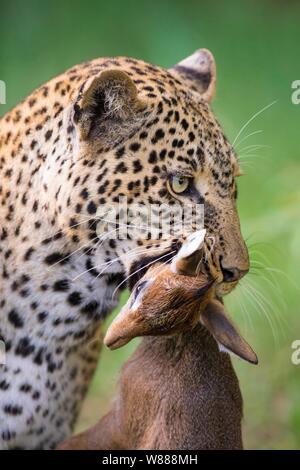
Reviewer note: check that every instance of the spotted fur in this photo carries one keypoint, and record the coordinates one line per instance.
(105, 128)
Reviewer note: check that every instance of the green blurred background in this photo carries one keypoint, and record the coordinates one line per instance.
(256, 46)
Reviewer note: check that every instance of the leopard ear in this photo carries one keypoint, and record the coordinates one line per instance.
(199, 69)
(108, 107)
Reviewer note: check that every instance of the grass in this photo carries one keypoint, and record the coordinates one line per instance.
(256, 49)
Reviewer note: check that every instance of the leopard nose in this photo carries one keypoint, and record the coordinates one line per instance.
(233, 274)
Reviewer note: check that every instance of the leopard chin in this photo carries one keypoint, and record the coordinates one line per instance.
(225, 288)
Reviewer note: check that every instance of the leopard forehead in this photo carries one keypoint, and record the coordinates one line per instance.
(179, 119)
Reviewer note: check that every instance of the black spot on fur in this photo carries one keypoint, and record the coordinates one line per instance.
(61, 286)
(15, 319)
(56, 257)
(24, 347)
(75, 298)
(13, 410)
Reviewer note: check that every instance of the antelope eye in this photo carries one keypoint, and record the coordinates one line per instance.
(139, 288)
(137, 291)
(179, 184)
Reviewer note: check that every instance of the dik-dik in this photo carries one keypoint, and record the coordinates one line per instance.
(178, 390)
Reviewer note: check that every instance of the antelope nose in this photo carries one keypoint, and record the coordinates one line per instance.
(233, 274)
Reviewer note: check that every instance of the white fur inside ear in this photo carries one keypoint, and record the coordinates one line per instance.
(193, 243)
(223, 349)
(227, 351)
(200, 61)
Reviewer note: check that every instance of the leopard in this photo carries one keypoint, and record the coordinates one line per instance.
(108, 128)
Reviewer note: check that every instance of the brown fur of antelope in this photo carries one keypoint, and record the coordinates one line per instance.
(178, 390)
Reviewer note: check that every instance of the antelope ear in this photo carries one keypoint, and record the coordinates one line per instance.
(225, 333)
(108, 107)
(189, 256)
(199, 69)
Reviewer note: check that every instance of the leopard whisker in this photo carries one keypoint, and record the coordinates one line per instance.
(254, 116)
(74, 252)
(247, 136)
(278, 317)
(249, 148)
(256, 302)
(115, 260)
(106, 263)
(140, 269)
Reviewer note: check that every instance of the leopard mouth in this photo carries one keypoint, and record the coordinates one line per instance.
(213, 269)
(225, 281)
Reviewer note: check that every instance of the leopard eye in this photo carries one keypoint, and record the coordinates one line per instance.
(179, 184)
